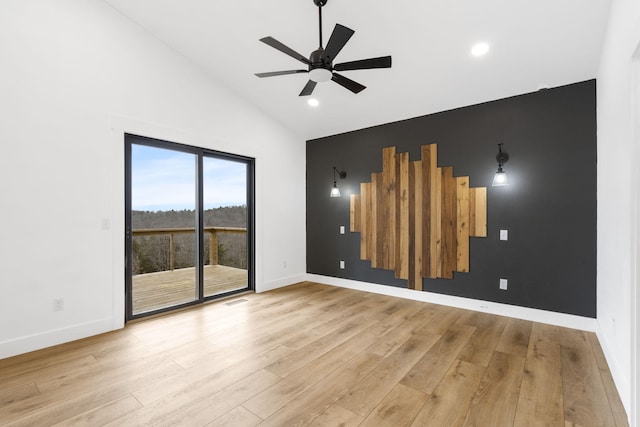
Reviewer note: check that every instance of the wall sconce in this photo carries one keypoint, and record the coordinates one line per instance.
(500, 177)
(335, 191)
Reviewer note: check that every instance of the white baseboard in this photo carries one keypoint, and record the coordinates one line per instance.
(34, 342)
(532, 314)
(285, 281)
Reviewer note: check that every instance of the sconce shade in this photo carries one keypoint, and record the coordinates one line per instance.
(335, 191)
(500, 178)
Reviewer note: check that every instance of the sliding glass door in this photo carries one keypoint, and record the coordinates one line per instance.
(225, 225)
(188, 225)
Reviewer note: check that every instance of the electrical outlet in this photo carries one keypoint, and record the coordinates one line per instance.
(503, 284)
(341, 265)
(284, 264)
(58, 304)
(504, 234)
(342, 229)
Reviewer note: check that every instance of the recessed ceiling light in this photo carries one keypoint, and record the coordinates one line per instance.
(480, 49)
(313, 102)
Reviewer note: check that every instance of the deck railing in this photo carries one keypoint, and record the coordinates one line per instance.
(213, 238)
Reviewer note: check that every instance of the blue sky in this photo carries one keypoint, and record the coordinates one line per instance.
(165, 179)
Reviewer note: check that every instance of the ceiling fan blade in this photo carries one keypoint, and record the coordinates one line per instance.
(308, 88)
(284, 49)
(354, 87)
(364, 64)
(280, 73)
(338, 39)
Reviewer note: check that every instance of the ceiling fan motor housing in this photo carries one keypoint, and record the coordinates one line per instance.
(319, 71)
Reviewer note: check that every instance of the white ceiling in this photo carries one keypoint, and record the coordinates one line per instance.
(533, 43)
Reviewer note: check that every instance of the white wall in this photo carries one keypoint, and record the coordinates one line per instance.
(616, 190)
(75, 75)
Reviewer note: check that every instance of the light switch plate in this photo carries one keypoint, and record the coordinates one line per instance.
(342, 229)
(504, 234)
(341, 265)
(503, 284)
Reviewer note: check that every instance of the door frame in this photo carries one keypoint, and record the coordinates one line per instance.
(200, 153)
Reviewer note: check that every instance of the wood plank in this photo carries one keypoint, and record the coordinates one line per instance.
(104, 414)
(434, 218)
(398, 408)
(375, 230)
(417, 233)
(322, 396)
(272, 399)
(238, 416)
(472, 212)
(480, 347)
(462, 224)
(438, 222)
(402, 215)
(448, 404)
(584, 397)
(215, 405)
(426, 374)
(480, 212)
(515, 338)
(387, 221)
(369, 392)
(336, 415)
(494, 403)
(540, 401)
(354, 214)
(365, 212)
(449, 222)
(427, 211)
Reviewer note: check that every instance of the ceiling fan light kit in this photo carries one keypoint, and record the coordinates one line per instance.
(320, 63)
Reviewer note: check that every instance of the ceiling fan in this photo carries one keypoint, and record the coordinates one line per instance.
(320, 62)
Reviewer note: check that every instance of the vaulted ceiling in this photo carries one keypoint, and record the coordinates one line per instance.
(532, 44)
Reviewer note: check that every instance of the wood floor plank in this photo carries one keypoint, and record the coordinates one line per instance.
(336, 415)
(199, 376)
(540, 401)
(214, 406)
(398, 408)
(322, 395)
(584, 396)
(274, 398)
(104, 414)
(515, 338)
(394, 338)
(10, 395)
(238, 416)
(480, 347)
(494, 403)
(426, 374)
(367, 394)
(300, 358)
(449, 402)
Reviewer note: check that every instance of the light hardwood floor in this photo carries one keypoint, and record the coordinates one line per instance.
(317, 355)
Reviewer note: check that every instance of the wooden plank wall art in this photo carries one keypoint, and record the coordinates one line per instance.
(416, 218)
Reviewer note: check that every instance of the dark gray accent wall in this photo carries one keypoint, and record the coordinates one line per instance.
(549, 208)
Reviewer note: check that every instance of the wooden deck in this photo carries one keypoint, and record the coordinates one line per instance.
(163, 289)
